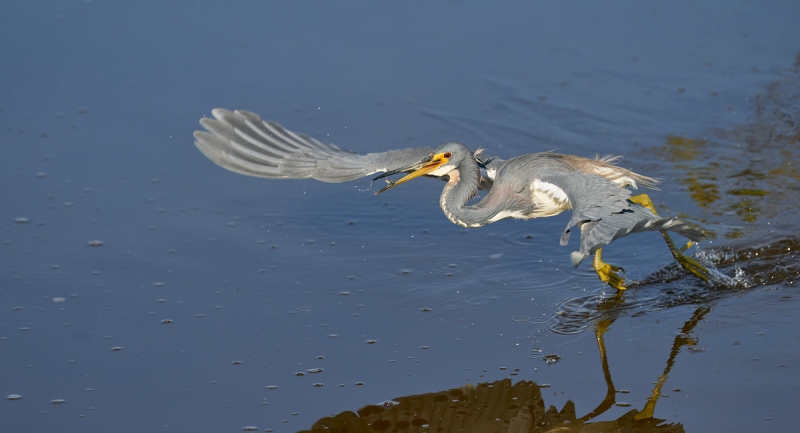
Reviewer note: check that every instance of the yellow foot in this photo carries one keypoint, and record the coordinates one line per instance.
(608, 272)
(689, 263)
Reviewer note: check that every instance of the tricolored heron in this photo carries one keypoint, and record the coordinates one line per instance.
(525, 187)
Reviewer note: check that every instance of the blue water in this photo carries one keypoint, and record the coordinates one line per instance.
(151, 290)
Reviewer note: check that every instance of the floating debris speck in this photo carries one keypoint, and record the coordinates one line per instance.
(551, 359)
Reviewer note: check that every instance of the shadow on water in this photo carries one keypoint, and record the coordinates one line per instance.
(503, 406)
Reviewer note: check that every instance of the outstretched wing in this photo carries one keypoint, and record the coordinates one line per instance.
(243, 143)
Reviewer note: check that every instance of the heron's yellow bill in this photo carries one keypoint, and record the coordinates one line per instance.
(421, 168)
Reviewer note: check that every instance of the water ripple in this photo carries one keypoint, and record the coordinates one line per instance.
(733, 269)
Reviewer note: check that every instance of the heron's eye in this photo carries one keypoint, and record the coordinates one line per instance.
(448, 155)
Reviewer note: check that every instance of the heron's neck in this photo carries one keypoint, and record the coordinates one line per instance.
(462, 186)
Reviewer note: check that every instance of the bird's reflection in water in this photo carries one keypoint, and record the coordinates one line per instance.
(503, 406)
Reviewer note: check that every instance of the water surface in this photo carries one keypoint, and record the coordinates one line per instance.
(142, 288)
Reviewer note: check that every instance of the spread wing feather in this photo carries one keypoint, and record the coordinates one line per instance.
(242, 142)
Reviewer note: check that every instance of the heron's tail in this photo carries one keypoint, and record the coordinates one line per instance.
(597, 234)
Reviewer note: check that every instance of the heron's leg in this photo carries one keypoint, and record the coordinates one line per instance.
(607, 272)
(689, 263)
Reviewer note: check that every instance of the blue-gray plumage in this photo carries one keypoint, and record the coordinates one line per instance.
(525, 187)
(243, 143)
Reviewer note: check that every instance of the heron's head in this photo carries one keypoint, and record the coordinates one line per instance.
(441, 161)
